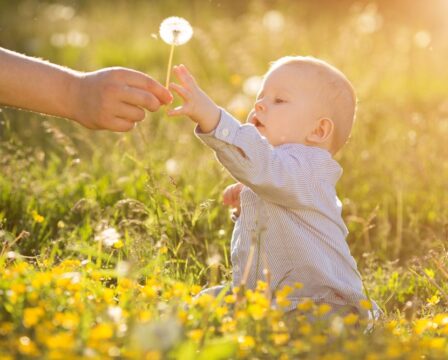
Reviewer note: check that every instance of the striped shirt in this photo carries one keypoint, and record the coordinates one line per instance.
(290, 213)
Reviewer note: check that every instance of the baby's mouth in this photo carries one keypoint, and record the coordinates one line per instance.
(257, 123)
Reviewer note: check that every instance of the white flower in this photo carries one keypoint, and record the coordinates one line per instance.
(108, 237)
(175, 31)
(172, 167)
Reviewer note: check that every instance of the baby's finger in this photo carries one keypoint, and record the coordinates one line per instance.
(188, 77)
(180, 110)
(181, 91)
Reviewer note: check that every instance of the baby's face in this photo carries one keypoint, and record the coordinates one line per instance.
(287, 105)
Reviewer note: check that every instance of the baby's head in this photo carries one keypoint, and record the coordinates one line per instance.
(306, 101)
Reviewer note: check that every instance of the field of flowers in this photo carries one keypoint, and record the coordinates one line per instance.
(105, 239)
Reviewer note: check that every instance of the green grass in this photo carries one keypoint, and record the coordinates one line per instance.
(395, 168)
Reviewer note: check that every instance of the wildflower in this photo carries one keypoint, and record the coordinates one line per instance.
(230, 299)
(196, 335)
(175, 31)
(228, 325)
(281, 296)
(305, 329)
(101, 332)
(256, 311)
(246, 342)
(323, 309)
(118, 244)
(31, 316)
(195, 289)
(37, 217)
(351, 319)
(433, 300)
(172, 167)
(365, 304)
(27, 347)
(280, 338)
(305, 305)
(108, 237)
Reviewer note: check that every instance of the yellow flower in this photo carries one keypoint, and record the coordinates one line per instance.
(101, 332)
(31, 316)
(261, 285)
(196, 335)
(228, 325)
(37, 217)
(149, 291)
(221, 311)
(175, 31)
(230, 299)
(305, 329)
(163, 250)
(41, 279)
(351, 319)
(118, 244)
(280, 338)
(27, 347)
(6, 328)
(195, 289)
(61, 341)
(246, 342)
(421, 325)
(67, 320)
(305, 305)
(256, 311)
(366, 304)
(298, 285)
(205, 300)
(323, 309)
(433, 300)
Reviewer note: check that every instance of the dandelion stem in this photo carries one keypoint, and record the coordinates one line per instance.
(170, 62)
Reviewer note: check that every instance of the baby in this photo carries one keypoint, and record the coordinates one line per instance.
(290, 221)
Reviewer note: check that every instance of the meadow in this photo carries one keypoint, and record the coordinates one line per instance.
(105, 238)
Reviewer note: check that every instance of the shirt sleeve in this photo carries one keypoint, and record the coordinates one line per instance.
(275, 175)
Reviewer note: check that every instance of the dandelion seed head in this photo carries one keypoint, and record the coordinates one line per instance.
(175, 31)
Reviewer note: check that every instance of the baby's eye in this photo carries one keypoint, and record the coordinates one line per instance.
(279, 100)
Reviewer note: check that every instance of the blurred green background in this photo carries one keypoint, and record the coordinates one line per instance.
(395, 165)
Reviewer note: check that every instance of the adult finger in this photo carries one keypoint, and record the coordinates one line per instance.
(137, 97)
(142, 81)
(129, 112)
(120, 125)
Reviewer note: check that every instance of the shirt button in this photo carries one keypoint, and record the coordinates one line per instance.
(225, 132)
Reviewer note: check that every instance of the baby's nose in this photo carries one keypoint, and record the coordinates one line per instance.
(259, 106)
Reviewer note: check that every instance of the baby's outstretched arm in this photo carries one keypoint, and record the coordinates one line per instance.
(197, 105)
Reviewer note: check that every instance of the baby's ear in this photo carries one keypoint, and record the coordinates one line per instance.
(322, 132)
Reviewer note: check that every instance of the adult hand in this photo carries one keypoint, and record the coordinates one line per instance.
(115, 98)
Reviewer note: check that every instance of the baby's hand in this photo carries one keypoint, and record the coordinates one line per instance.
(197, 105)
(231, 197)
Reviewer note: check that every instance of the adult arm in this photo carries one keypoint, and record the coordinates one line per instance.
(111, 98)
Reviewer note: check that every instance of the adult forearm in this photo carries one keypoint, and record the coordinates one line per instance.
(36, 85)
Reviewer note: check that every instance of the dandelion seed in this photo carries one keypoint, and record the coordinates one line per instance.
(174, 31)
